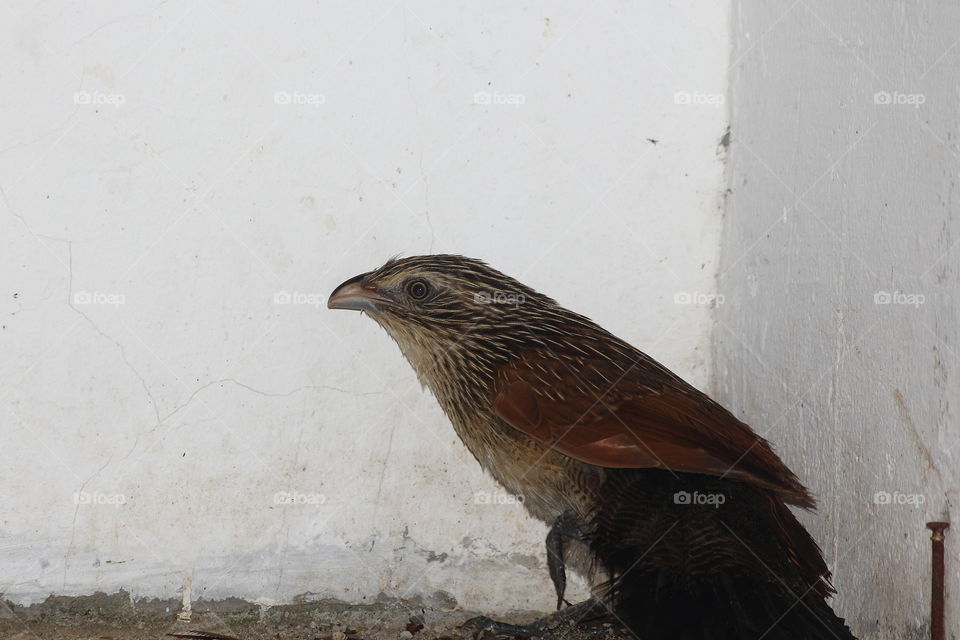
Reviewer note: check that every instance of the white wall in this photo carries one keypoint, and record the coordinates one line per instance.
(181, 163)
(838, 337)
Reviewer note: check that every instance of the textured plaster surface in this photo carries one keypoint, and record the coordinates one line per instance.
(838, 337)
(182, 183)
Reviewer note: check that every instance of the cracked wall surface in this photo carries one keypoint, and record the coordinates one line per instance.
(838, 336)
(183, 183)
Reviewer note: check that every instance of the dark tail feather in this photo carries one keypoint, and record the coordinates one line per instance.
(729, 608)
(735, 566)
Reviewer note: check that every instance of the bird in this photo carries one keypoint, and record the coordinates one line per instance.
(676, 512)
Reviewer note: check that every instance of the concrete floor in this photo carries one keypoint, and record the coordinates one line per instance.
(117, 617)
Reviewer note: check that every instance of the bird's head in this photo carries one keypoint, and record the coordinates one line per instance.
(435, 306)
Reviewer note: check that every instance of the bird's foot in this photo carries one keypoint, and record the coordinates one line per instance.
(563, 527)
(582, 616)
(484, 627)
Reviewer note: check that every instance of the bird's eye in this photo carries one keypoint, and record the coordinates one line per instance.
(418, 289)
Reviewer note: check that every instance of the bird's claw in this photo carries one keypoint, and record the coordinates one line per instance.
(582, 615)
(482, 627)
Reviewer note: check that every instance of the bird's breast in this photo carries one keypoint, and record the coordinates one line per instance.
(548, 483)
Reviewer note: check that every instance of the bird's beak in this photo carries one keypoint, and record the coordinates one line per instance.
(354, 294)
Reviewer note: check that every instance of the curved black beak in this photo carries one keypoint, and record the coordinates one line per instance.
(357, 295)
